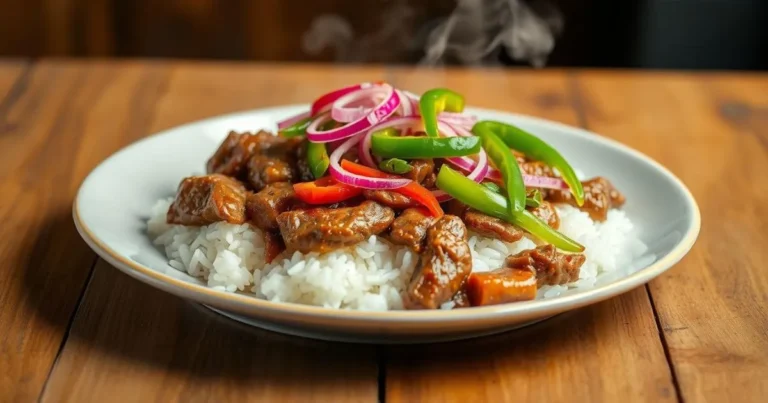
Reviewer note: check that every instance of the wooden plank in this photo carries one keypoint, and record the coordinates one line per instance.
(10, 73)
(711, 131)
(61, 123)
(607, 352)
(133, 342)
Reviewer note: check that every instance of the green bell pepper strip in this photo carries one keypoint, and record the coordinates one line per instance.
(297, 129)
(494, 187)
(486, 201)
(533, 199)
(395, 166)
(435, 101)
(537, 149)
(506, 163)
(410, 147)
(317, 159)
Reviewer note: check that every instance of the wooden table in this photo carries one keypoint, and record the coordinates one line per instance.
(72, 328)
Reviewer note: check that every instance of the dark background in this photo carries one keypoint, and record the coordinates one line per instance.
(669, 34)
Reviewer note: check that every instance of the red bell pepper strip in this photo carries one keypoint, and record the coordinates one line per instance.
(413, 190)
(325, 191)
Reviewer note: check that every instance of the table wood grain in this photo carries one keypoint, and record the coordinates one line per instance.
(75, 329)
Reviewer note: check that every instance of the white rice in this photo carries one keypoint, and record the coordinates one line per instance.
(372, 274)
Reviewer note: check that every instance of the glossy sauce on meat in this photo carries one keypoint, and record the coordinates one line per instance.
(263, 170)
(262, 208)
(485, 225)
(599, 197)
(391, 199)
(233, 154)
(443, 266)
(323, 229)
(410, 228)
(421, 170)
(202, 200)
(547, 213)
(551, 266)
(273, 246)
(492, 227)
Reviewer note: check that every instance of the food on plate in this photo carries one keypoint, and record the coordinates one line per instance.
(378, 199)
(202, 200)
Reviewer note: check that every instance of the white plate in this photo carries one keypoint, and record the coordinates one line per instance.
(115, 200)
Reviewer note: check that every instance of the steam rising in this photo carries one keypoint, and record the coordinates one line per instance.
(474, 33)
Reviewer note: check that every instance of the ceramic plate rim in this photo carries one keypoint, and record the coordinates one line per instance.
(572, 301)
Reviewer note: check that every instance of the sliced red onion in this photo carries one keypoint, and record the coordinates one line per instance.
(283, 124)
(357, 104)
(533, 181)
(545, 182)
(406, 106)
(324, 102)
(344, 176)
(414, 101)
(382, 111)
(458, 119)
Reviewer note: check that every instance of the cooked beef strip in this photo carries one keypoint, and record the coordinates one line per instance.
(263, 170)
(551, 267)
(410, 228)
(431, 178)
(202, 200)
(232, 155)
(501, 286)
(323, 229)
(483, 224)
(262, 208)
(443, 265)
(546, 211)
(493, 227)
(599, 197)
(234, 152)
(421, 169)
(388, 198)
(273, 245)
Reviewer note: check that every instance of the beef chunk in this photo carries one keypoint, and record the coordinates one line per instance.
(485, 225)
(410, 228)
(443, 266)
(202, 200)
(273, 246)
(388, 198)
(599, 197)
(547, 213)
(493, 227)
(421, 169)
(323, 229)
(263, 170)
(262, 208)
(551, 267)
